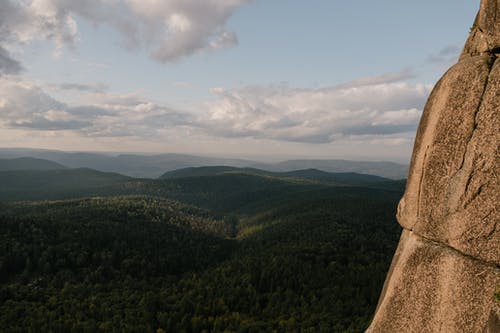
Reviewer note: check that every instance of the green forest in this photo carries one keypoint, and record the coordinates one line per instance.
(218, 250)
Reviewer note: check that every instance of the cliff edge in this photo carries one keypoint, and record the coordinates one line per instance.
(446, 268)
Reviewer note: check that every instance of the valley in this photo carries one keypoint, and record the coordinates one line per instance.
(210, 249)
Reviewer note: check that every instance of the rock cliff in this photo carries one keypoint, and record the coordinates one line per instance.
(446, 268)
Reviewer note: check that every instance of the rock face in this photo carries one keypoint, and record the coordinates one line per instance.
(447, 266)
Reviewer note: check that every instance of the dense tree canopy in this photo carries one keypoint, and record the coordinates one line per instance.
(262, 255)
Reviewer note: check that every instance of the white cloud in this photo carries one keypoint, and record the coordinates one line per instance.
(169, 29)
(24, 21)
(380, 79)
(223, 40)
(382, 112)
(25, 105)
(316, 115)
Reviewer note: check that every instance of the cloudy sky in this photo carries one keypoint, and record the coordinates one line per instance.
(276, 78)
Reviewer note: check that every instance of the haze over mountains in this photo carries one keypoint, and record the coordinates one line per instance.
(153, 166)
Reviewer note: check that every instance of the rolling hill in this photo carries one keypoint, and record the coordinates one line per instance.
(383, 169)
(55, 184)
(339, 178)
(221, 189)
(29, 163)
(315, 263)
(153, 166)
(210, 249)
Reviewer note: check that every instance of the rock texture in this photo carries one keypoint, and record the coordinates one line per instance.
(447, 266)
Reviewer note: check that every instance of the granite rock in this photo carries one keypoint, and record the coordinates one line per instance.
(447, 266)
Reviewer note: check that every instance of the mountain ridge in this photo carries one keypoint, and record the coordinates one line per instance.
(29, 163)
(153, 166)
(347, 178)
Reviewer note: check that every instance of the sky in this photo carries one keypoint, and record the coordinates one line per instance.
(261, 78)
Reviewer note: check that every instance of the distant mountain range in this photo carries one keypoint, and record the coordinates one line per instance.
(29, 163)
(243, 237)
(339, 178)
(220, 189)
(153, 166)
(56, 184)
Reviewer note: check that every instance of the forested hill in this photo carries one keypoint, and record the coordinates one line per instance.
(338, 178)
(28, 163)
(208, 186)
(235, 251)
(56, 184)
(152, 166)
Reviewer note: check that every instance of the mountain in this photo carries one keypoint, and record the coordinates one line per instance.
(153, 166)
(223, 190)
(445, 275)
(345, 178)
(241, 193)
(133, 165)
(312, 261)
(204, 249)
(384, 169)
(339, 178)
(29, 163)
(55, 184)
(205, 171)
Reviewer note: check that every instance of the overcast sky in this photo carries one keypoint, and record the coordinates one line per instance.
(316, 78)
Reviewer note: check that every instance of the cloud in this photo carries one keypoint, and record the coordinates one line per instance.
(89, 111)
(169, 30)
(192, 26)
(355, 109)
(23, 21)
(380, 79)
(42, 123)
(92, 88)
(7, 64)
(25, 105)
(446, 55)
(11, 18)
(379, 108)
(224, 40)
